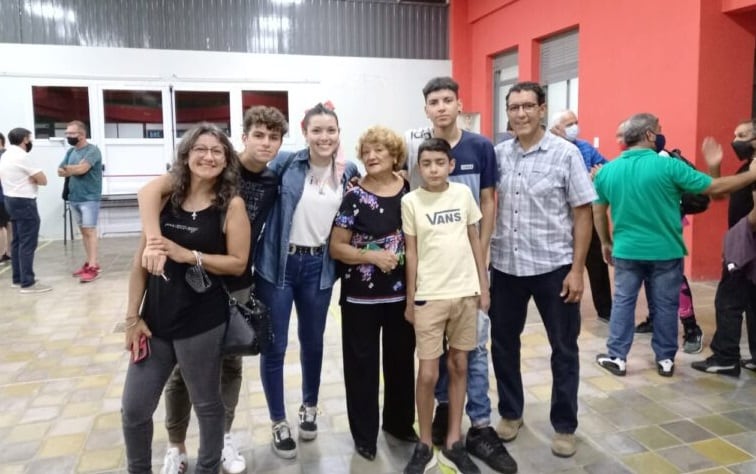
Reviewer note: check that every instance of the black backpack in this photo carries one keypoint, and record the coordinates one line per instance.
(690, 203)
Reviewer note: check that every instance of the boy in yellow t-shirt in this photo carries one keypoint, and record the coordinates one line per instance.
(446, 284)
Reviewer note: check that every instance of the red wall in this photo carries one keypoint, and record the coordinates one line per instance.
(683, 60)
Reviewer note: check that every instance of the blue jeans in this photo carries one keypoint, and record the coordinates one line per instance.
(664, 278)
(478, 406)
(301, 287)
(25, 221)
(510, 295)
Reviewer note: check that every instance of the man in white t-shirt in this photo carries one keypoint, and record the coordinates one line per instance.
(20, 178)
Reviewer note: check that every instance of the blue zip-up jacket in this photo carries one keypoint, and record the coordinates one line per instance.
(271, 258)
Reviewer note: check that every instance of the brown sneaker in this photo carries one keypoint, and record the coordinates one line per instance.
(564, 445)
(508, 429)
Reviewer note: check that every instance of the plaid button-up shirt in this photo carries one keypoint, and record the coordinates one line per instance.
(537, 190)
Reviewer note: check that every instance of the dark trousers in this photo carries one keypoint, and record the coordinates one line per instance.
(25, 222)
(361, 342)
(509, 306)
(598, 276)
(735, 295)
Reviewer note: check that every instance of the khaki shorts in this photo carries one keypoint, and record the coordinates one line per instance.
(457, 317)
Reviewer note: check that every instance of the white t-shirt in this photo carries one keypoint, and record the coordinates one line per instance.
(15, 169)
(445, 261)
(316, 209)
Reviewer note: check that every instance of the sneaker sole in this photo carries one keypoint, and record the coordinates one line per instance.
(82, 280)
(719, 370)
(750, 367)
(503, 470)
(563, 455)
(307, 435)
(284, 454)
(664, 373)
(610, 368)
(24, 291)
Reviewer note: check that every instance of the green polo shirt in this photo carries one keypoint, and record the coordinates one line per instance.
(643, 191)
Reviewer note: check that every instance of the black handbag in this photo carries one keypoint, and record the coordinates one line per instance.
(249, 329)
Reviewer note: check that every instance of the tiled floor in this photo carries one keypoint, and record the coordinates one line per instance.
(62, 368)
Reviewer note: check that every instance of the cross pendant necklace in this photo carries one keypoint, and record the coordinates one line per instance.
(194, 215)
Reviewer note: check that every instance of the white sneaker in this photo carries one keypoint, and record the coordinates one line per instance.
(665, 367)
(35, 288)
(174, 462)
(233, 462)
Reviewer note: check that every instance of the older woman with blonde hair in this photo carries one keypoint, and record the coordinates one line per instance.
(367, 239)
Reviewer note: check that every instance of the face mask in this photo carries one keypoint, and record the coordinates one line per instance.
(743, 149)
(28, 147)
(659, 142)
(571, 132)
(73, 141)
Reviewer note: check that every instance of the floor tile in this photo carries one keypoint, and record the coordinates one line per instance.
(650, 463)
(687, 431)
(721, 452)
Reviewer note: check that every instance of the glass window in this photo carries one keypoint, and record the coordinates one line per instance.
(193, 107)
(55, 106)
(277, 99)
(133, 114)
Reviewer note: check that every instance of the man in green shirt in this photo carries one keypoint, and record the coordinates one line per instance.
(643, 190)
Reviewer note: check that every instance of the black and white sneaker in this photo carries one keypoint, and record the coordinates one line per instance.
(712, 365)
(614, 365)
(457, 459)
(422, 460)
(693, 340)
(283, 444)
(665, 367)
(749, 364)
(308, 426)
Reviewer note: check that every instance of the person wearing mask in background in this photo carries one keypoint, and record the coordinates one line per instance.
(20, 177)
(735, 293)
(293, 266)
(646, 242)
(82, 167)
(6, 233)
(264, 128)
(565, 125)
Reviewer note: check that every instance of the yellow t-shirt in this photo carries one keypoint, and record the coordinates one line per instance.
(445, 262)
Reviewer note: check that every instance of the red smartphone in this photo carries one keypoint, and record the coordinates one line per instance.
(143, 351)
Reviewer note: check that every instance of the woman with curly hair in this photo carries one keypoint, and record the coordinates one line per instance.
(367, 238)
(170, 318)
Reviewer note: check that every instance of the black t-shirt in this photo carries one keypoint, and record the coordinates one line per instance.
(172, 310)
(741, 201)
(376, 223)
(259, 191)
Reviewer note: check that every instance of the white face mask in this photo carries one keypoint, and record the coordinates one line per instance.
(571, 132)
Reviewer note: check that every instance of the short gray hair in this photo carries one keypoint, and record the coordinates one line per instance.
(636, 127)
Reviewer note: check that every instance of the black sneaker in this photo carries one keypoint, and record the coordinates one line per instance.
(484, 444)
(645, 327)
(308, 427)
(440, 425)
(712, 365)
(457, 459)
(283, 444)
(422, 460)
(749, 364)
(693, 340)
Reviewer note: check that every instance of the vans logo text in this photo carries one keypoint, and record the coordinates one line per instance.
(445, 217)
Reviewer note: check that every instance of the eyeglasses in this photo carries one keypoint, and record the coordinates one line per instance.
(216, 152)
(527, 107)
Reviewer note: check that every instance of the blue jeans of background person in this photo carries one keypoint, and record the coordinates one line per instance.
(25, 222)
(510, 295)
(478, 406)
(301, 287)
(664, 278)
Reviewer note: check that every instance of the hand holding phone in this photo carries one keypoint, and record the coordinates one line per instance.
(143, 350)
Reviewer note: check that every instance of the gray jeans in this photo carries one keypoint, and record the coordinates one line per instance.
(200, 360)
(178, 405)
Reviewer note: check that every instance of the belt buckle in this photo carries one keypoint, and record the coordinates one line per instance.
(292, 249)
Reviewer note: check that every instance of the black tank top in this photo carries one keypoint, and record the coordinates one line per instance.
(172, 310)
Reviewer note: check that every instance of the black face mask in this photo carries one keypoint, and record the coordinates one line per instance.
(73, 141)
(743, 149)
(28, 147)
